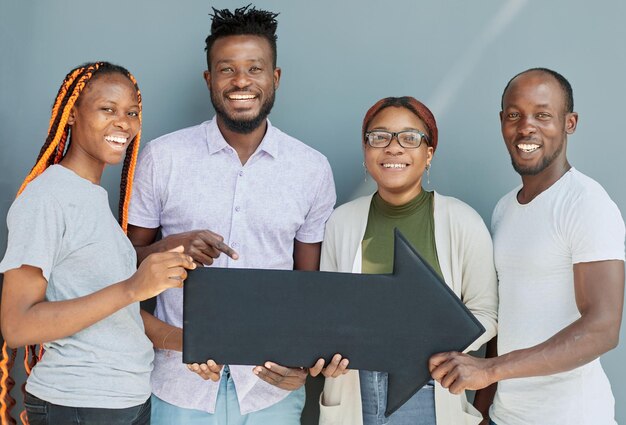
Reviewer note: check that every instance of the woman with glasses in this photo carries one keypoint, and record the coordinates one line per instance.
(399, 139)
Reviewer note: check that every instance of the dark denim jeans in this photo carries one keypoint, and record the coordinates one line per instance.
(41, 412)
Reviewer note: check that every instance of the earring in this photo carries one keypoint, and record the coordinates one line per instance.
(428, 174)
(365, 170)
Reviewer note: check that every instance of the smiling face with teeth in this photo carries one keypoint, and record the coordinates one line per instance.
(535, 124)
(104, 121)
(242, 81)
(397, 171)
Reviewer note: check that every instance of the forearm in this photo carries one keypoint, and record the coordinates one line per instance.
(574, 346)
(51, 320)
(202, 245)
(144, 241)
(599, 289)
(144, 250)
(162, 334)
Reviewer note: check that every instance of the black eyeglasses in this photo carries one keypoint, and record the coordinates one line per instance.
(409, 139)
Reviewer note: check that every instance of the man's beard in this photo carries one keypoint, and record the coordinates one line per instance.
(244, 126)
(545, 163)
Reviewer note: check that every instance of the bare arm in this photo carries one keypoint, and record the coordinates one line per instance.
(306, 256)
(158, 331)
(27, 318)
(599, 291)
(143, 241)
(203, 245)
(198, 245)
(163, 335)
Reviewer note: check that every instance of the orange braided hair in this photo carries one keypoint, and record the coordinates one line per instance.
(6, 384)
(52, 152)
(128, 170)
(58, 128)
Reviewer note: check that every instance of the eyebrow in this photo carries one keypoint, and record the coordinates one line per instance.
(104, 100)
(380, 128)
(227, 61)
(541, 105)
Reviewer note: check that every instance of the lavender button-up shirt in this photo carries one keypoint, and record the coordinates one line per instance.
(192, 179)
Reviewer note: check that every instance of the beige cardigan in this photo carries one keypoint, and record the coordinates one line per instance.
(465, 254)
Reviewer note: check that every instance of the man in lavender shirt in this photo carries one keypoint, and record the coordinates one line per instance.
(265, 197)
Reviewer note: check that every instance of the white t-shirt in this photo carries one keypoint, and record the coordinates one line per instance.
(535, 248)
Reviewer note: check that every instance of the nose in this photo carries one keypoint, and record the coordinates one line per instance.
(394, 147)
(526, 126)
(240, 80)
(122, 121)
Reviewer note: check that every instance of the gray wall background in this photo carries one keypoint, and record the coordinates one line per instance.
(338, 58)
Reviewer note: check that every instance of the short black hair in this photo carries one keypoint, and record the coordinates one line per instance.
(243, 21)
(566, 87)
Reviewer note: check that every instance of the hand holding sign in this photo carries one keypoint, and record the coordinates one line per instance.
(391, 323)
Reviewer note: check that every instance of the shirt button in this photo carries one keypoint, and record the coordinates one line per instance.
(234, 244)
(237, 209)
(241, 173)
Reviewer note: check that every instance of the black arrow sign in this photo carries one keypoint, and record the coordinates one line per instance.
(390, 323)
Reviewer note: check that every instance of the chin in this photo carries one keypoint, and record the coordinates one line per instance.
(529, 170)
(241, 125)
(114, 160)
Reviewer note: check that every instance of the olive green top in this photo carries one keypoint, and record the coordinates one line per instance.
(416, 222)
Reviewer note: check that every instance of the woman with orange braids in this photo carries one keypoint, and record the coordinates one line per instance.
(70, 276)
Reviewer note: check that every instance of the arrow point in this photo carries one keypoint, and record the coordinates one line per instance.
(404, 257)
(401, 387)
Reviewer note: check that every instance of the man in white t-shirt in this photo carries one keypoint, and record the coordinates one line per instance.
(559, 254)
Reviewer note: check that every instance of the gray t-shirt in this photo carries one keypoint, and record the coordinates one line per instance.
(62, 224)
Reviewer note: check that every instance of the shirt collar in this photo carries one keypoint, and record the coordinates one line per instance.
(217, 143)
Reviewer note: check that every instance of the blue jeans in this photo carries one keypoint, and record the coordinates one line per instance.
(41, 412)
(419, 410)
(285, 412)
